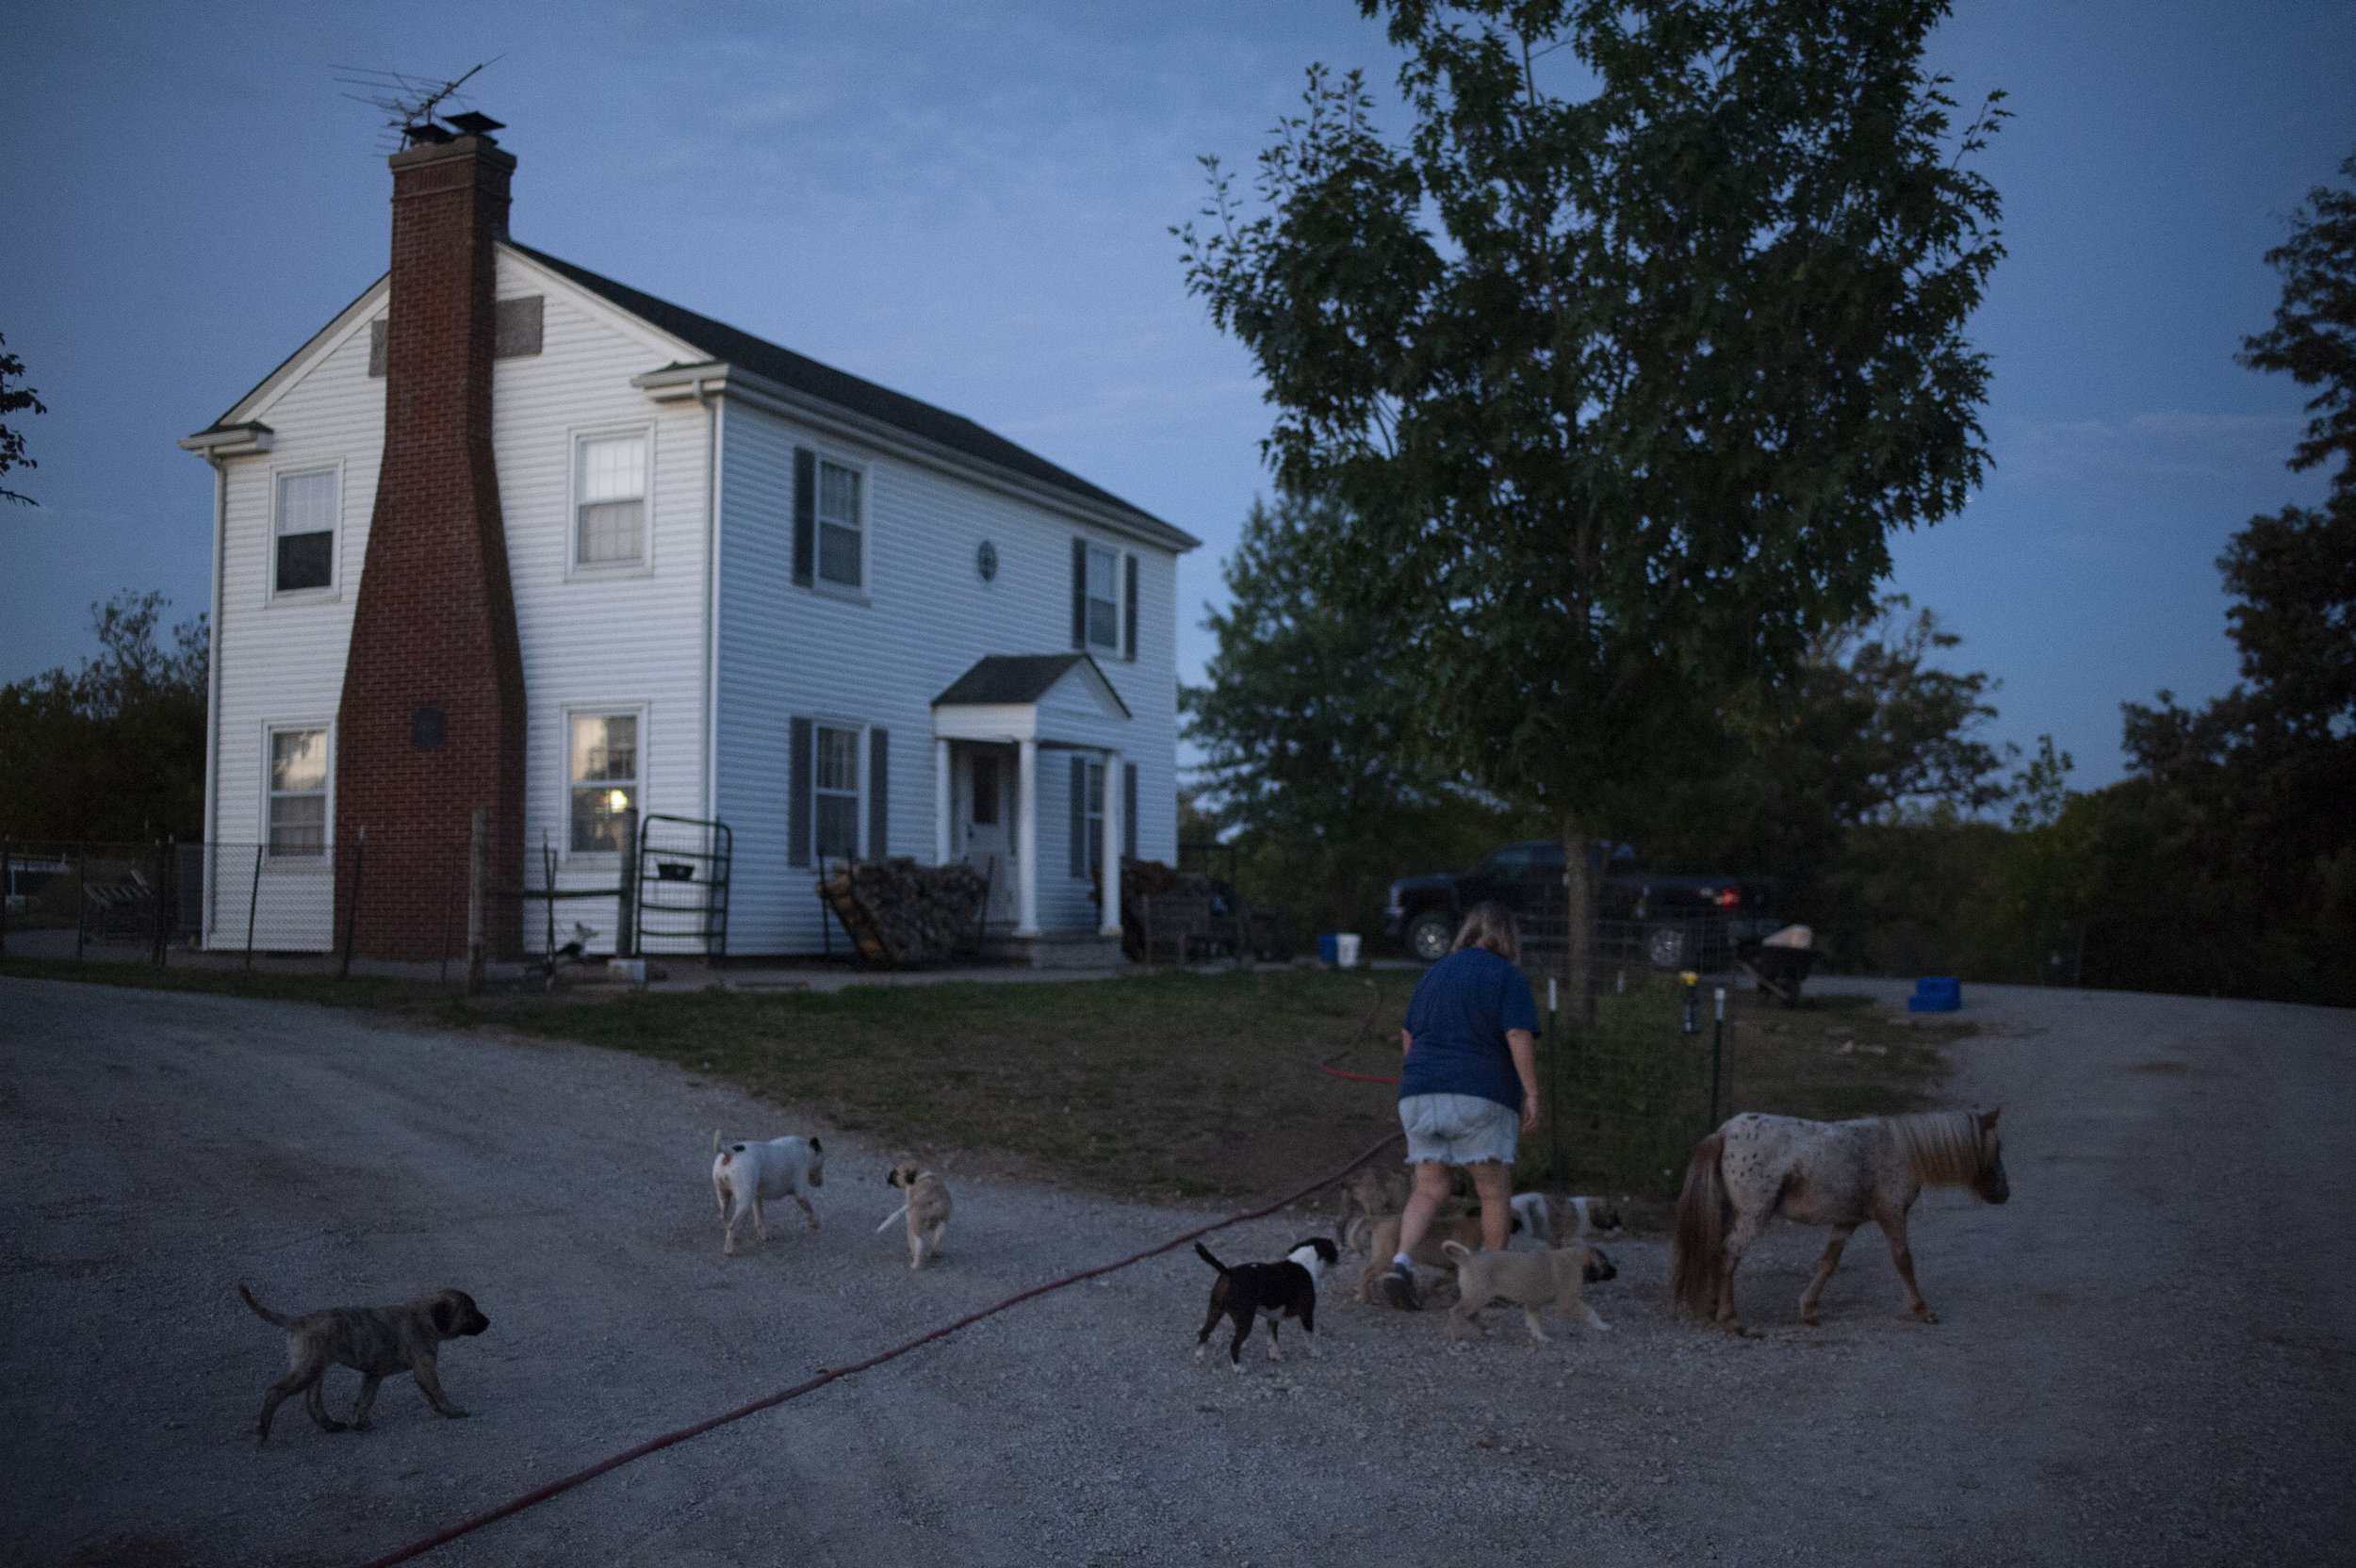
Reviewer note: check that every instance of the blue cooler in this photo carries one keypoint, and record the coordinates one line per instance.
(1329, 949)
(1940, 995)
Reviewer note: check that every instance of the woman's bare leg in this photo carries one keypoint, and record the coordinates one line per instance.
(1494, 1181)
(1432, 1185)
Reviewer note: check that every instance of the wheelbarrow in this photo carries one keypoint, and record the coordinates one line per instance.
(1780, 964)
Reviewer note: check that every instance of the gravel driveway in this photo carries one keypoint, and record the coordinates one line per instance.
(2143, 1359)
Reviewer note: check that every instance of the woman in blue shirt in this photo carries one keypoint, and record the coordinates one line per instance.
(1470, 1085)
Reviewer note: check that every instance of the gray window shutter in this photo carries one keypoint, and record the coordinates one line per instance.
(1129, 807)
(1080, 595)
(515, 327)
(798, 765)
(1079, 816)
(1129, 610)
(879, 790)
(805, 517)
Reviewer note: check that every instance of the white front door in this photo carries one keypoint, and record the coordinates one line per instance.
(985, 810)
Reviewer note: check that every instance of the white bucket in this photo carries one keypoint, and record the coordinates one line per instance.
(1345, 950)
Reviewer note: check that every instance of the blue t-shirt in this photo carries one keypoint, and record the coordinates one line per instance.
(1456, 1024)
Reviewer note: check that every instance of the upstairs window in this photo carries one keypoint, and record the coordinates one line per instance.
(605, 779)
(305, 529)
(1104, 603)
(610, 506)
(298, 792)
(837, 794)
(840, 532)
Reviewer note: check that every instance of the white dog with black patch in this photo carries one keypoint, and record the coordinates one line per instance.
(1547, 1222)
(746, 1175)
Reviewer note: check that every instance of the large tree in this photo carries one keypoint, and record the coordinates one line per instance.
(2237, 819)
(1310, 756)
(1621, 365)
(113, 751)
(15, 400)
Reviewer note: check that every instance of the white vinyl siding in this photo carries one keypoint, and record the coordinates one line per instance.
(298, 792)
(594, 640)
(604, 780)
(303, 555)
(610, 508)
(878, 660)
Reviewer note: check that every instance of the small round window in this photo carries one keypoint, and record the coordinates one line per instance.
(985, 560)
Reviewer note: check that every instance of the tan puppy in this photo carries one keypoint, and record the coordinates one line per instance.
(1371, 1192)
(927, 1207)
(1529, 1281)
(375, 1342)
(1383, 1243)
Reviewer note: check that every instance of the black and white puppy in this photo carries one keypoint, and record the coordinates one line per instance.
(1281, 1290)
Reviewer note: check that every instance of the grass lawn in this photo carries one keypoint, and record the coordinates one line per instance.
(1163, 1084)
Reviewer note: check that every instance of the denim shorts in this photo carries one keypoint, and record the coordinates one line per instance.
(1458, 1129)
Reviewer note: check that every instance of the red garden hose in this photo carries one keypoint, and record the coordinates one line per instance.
(1327, 1065)
(541, 1495)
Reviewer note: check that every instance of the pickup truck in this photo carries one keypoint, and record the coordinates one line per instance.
(1526, 877)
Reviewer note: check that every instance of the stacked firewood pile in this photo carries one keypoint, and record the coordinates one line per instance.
(900, 912)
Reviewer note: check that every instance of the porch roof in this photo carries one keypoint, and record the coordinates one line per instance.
(1004, 679)
(1007, 697)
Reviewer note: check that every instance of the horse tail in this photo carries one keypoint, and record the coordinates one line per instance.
(1697, 1246)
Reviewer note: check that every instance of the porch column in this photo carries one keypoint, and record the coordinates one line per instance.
(1026, 845)
(941, 803)
(1108, 923)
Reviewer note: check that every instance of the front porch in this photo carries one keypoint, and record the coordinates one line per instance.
(1007, 734)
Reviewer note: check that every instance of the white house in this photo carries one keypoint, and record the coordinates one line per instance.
(745, 587)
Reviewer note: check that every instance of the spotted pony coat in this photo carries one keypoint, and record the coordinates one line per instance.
(1836, 1173)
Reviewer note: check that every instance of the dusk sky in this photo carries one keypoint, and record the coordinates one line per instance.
(971, 205)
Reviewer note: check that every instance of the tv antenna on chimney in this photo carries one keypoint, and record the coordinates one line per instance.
(415, 104)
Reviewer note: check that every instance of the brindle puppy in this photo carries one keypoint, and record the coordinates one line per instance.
(375, 1342)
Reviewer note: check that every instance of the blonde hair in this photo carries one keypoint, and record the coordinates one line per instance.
(1491, 924)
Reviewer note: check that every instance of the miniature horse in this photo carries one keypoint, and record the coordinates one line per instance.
(1836, 1173)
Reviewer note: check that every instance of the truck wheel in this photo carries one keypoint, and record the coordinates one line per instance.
(1429, 935)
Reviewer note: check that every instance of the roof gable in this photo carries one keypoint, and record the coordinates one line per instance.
(1015, 680)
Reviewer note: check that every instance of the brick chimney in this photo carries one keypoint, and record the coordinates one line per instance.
(432, 722)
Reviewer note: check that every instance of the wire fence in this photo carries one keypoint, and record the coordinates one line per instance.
(457, 909)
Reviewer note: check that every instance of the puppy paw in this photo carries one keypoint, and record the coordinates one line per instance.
(1199, 1351)
(1924, 1315)
(457, 1414)
(334, 1427)
(1811, 1319)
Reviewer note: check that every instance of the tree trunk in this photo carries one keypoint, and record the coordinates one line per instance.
(1579, 926)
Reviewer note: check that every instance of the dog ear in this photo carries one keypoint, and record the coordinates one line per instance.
(817, 1148)
(1987, 1119)
(444, 1316)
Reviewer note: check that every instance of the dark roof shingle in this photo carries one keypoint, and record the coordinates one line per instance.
(1014, 678)
(804, 374)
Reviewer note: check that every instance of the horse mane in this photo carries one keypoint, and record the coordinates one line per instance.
(1941, 1148)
